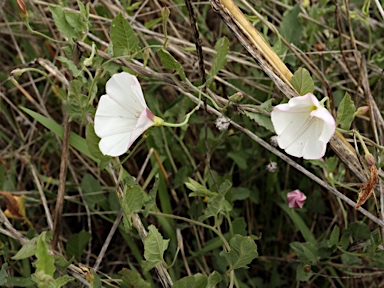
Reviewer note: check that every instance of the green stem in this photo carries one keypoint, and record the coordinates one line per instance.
(43, 35)
(213, 229)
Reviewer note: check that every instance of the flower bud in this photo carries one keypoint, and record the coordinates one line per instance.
(22, 9)
(165, 12)
(370, 159)
(296, 199)
(361, 110)
(236, 97)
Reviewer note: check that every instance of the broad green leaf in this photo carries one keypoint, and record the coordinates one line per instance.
(261, 119)
(225, 187)
(93, 192)
(3, 274)
(124, 40)
(95, 281)
(216, 205)
(243, 251)
(45, 262)
(76, 244)
(75, 140)
(221, 47)
(196, 281)
(350, 260)
(133, 279)
(291, 28)
(345, 238)
(239, 193)
(345, 113)
(132, 200)
(61, 281)
(334, 238)
(93, 146)
(302, 82)
(239, 157)
(70, 65)
(214, 279)
(169, 62)
(154, 248)
(61, 22)
(303, 272)
(28, 250)
(360, 231)
(307, 252)
(20, 282)
(71, 24)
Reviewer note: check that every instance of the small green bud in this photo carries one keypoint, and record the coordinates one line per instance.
(165, 12)
(236, 97)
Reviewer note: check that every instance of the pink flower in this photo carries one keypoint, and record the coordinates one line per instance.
(296, 199)
(122, 115)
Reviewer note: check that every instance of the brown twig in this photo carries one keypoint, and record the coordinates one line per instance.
(62, 181)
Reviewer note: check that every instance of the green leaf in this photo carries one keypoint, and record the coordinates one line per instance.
(360, 231)
(290, 28)
(123, 38)
(95, 282)
(345, 113)
(133, 279)
(169, 62)
(243, 251)
(70, 24)
(61, 281)
(213, 279)
(196, 281)
(221, 47)
(239, 157)
(334, 238)
(93, 146)
(302, 82)
(239, 193)
(70, 65)
(3, 274)
(350, 260)
(28, 250)
(75, 140)
(216, 205)
(198, 189)
(345, 238)
(45, 262)
(307, 252)
(154, 248)
(261, 119)
(93, 192)
(302, 273)
(76, 244)
(132, 200)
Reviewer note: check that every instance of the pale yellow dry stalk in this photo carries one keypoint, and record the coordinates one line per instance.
(272, 65)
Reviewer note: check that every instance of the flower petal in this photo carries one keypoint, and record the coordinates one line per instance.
(117, 127)
(125, 89)
(296, 199)
(303, 127)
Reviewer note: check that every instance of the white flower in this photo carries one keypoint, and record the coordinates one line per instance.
(122, 115)
(304, 127)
